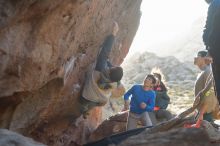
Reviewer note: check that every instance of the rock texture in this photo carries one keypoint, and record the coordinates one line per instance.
(113, 125)
(176, 137)
(168, 133)
(45, 49)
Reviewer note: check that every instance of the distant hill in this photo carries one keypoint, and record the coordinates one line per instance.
(184, 47)
(136, 68)
(175, 59)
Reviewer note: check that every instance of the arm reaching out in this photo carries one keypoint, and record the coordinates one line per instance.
(103, 57)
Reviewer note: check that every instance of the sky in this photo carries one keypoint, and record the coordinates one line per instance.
(163, 20)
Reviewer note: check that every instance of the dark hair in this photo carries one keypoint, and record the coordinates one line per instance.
(152, 77)
(158, 76)
(202, 53)
(163, 87)
(116, 74)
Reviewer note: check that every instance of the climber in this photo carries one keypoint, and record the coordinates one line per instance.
(102, 78)
(162, 100)
(209, 103)
(142, 102)
(211, 37)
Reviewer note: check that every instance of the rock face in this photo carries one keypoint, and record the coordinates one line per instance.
(176, 137)
(156, 136)
(45, 49)
(113, 125)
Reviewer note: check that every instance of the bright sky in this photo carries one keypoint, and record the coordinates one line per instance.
(163, 20)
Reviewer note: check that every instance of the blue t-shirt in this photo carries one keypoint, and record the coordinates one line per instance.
(138, 95)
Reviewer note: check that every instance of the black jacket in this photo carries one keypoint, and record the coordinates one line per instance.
(162, 99)
(211, 35)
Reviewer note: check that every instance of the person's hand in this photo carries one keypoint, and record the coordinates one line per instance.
(143, 105)
(126, 105)
(115, 28)
(125, 108)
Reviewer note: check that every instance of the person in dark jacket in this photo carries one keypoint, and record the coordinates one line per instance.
(162, 101)
(211, 39)
(102, 78)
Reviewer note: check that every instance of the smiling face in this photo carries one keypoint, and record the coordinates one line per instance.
(148, 82)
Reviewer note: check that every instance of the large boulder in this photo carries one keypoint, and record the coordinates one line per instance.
(45, 49)
(113, 125)
(112, 132)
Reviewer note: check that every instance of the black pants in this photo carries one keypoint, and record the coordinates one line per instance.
(87, 105)
(215, 53)
(216, 74)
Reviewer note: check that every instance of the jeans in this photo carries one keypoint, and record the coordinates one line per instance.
(133, 119)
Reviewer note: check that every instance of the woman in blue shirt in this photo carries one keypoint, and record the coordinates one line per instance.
(142, 101)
